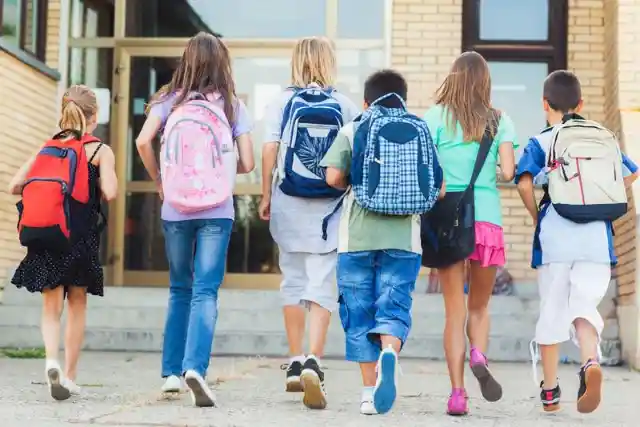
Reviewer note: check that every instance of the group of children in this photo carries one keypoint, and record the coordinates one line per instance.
(320, 184)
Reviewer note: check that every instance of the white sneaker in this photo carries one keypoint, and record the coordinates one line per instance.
(55, 380)
(172, 384)
(366, 404)
(201, 395)
(73, 388)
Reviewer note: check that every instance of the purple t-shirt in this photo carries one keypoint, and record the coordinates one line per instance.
(241, 126)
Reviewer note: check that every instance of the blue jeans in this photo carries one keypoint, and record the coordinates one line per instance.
(375, 298)
(197, 251)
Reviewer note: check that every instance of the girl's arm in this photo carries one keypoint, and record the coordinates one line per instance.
(507, 160)
(246, 161)
(145, 148)
(15, 186)
(108, 179)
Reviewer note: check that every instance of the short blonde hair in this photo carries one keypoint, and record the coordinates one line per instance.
(314, 61)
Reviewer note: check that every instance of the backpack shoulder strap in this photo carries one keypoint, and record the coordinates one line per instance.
(485, 146)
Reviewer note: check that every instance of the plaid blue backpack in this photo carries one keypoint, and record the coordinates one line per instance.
(395, 169)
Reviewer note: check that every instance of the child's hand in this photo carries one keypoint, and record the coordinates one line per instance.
(264, 209)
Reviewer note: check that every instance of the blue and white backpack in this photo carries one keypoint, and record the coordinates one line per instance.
(310, 123)
(395, 169)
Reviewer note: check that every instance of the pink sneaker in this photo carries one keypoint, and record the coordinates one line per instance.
(457, 404)
(490, 388)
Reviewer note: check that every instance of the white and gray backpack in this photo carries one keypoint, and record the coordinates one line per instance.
(585, 172)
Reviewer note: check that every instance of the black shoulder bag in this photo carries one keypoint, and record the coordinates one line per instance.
(448, 230)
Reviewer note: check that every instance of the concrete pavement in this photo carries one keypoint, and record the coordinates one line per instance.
(121, 389)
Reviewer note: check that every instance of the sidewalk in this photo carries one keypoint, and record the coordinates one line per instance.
(122, 390)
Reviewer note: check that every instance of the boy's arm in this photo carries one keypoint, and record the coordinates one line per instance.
(525, 189)
(629, 171)
(530, 165)
(338, 161)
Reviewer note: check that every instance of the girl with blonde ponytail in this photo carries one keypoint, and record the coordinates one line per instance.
(71, 272)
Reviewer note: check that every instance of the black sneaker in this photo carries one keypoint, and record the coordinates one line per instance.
(312, 379)
(294, 369)
(590, 391)
(550, 398)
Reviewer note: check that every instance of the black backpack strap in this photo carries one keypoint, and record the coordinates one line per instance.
(485, 147)
(93, 156)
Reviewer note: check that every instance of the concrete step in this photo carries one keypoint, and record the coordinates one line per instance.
(140, 298)
(427, 346)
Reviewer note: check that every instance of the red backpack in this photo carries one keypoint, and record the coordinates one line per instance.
(55, 203)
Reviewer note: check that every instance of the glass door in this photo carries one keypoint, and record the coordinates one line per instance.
(138, 252)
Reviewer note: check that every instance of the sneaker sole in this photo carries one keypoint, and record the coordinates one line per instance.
(550, 409)
(58, 391)
(314, 397)
(590, 400)
(200, 396)
(490, 388)
(384, 394)
(458, 414)
(294, 385)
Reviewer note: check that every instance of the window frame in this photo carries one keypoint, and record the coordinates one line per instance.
(42, 12)
(552, 51)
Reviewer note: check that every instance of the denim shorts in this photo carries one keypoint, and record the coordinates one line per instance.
(374, 290)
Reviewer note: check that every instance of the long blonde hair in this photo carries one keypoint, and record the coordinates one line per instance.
(313, 61)
(79, 106)
(466, 94)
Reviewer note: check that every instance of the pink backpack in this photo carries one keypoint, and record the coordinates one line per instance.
(193, 173)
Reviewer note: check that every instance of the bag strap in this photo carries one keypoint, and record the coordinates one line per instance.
(485, 148)
(571, 116)
(389, 95)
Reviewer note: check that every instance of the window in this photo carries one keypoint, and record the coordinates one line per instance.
(91, 18)
(523, 41)
(24, 25)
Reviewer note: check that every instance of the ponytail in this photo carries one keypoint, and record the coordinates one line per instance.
(72, 117)
(79, 107)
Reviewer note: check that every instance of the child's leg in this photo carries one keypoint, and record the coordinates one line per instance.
(52, 304)
(396, 278)
(589, 284)
(320, 271)
(357, 299)
(553, 327)
(74, 335)
(481, 283)
(291, 291)
(320, 296)
(452, 283)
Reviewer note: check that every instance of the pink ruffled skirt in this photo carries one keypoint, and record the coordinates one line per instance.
(489, 245)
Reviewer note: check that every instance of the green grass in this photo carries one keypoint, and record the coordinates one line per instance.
(23, 353)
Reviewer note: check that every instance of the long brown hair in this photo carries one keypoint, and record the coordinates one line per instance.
(205, 68)
(79, 107)
(466, 94)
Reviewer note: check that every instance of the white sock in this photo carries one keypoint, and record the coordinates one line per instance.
(297, 359)
(367, 393)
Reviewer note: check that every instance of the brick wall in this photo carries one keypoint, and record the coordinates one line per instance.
(27, 118)
(53, 33)
(426, 38)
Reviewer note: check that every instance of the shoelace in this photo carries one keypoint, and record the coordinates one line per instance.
(534, 350)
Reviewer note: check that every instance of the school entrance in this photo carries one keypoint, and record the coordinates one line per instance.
(126, 50)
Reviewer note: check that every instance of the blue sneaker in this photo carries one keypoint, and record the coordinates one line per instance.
(384, 393)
